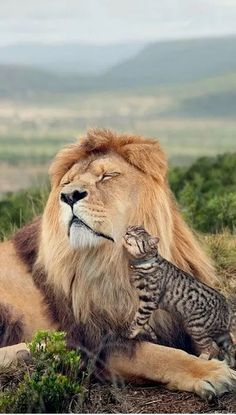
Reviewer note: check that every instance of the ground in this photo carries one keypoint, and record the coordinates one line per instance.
(152, 399)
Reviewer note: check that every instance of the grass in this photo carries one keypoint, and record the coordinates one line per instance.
(222, 249)
(19, 208)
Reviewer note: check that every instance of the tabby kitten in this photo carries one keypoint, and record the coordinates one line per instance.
(205, 313)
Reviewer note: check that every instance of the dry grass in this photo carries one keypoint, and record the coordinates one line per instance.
(151, 399)
(222, 248)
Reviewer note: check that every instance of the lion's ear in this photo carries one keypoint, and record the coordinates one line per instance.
(147, 157)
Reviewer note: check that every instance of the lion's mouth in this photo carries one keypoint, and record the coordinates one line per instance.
(80, 223)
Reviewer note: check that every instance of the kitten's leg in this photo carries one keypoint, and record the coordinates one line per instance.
(142, 317)
(150, 331)
(147, 305)
(206, 347)
(228, 356)
(227, 350)
(231, 356)
(214, 352)
(210, 352)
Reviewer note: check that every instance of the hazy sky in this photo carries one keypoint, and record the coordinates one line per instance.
(107, 21)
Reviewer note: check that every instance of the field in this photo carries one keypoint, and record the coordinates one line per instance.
(32, 131)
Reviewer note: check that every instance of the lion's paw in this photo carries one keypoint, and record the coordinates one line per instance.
(218, 380)
(17, 352)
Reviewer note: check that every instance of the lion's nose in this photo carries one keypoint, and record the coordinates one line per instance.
(75, 196)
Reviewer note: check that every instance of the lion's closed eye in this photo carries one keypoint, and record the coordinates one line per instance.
(109, 175)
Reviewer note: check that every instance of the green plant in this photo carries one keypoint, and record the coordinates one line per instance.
(16, 209)
(50, 383)
(222, 249)
(206, 193)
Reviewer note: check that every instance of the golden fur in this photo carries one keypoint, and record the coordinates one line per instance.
(125, 181)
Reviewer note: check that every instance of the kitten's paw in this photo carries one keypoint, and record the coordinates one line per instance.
(134, 331)
(126, 244)
(230, 356)
(205, 356)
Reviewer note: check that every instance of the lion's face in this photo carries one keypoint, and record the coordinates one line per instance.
(96, 198)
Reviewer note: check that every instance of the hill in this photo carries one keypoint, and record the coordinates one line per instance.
(160, 63)
(69, 58)
(210, 97)
(24, 81)
(197, 77)
(175, 62)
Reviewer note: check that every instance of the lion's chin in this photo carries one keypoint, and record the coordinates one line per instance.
(81, 237)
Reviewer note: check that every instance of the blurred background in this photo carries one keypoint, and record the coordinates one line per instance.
(162, 69)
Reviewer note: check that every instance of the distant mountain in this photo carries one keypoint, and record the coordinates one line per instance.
(25, 81)
(69, 58)
(174, 62)
(218, 104)
(199, 73)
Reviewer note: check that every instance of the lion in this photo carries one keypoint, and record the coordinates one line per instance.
(69, 271)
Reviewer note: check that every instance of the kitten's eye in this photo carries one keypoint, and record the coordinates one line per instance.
(107, 176)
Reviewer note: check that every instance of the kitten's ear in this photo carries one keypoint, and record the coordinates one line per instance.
(154, 241)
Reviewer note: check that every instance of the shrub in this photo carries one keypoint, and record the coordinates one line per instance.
(50, 383)
(206, 192)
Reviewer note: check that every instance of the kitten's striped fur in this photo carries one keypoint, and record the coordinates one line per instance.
(206, 314)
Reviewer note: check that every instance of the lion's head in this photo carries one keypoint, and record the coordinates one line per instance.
(102, 188)
(100, 185)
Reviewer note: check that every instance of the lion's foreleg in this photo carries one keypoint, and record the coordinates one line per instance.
(175, 368)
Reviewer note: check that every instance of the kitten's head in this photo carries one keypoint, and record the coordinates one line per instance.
(139, 243)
